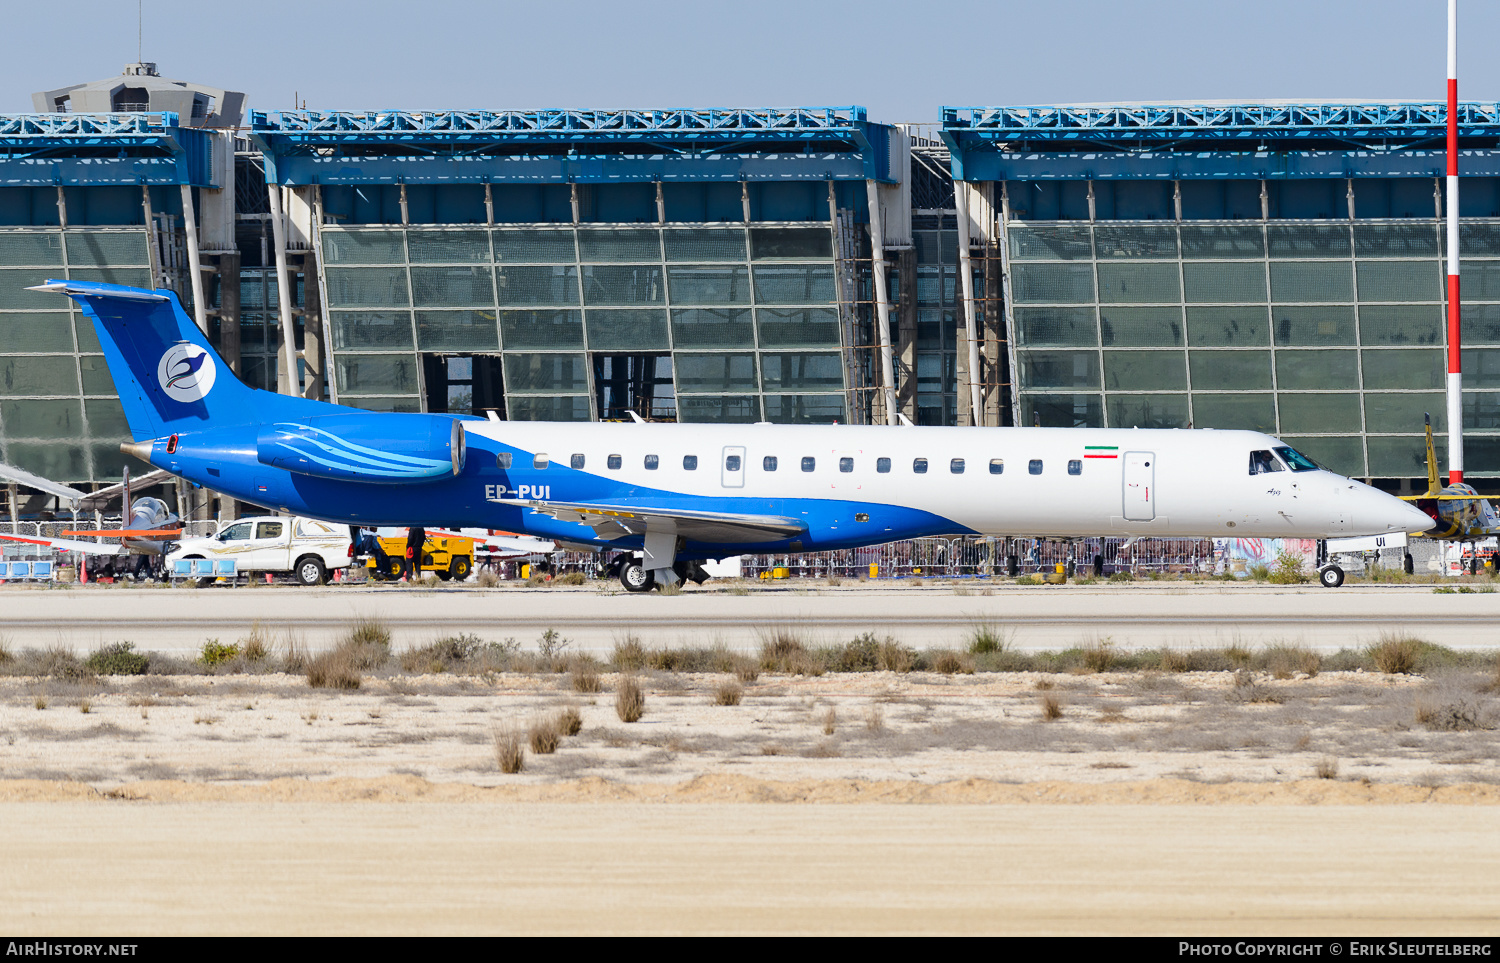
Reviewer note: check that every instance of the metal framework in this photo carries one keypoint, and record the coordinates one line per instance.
(39, 150)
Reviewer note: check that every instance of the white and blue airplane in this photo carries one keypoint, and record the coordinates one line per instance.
(668, 495)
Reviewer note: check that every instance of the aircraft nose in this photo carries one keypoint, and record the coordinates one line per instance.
(1396, 515)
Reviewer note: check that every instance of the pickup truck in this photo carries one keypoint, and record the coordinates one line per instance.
(304, 547)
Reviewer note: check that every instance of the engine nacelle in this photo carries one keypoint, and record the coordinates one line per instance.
(379, 448)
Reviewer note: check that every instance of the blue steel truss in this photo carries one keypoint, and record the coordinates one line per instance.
(102, 150)
(836, 143)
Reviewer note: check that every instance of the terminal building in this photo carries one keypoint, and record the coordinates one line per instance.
(1265, 266)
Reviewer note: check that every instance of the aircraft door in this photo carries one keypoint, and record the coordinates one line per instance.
(732, 468)
(1140, 486)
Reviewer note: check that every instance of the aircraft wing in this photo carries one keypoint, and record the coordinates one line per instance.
(614, 521)
(69, 545)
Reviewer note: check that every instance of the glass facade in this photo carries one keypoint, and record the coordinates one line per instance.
(748, 315)
(1330, 334)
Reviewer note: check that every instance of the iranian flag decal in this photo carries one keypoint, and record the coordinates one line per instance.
(1101, 451)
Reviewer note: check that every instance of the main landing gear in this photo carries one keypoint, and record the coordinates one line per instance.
(1330, 576)
(634, 575)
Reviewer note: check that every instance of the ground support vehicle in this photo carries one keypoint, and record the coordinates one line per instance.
(305, 548)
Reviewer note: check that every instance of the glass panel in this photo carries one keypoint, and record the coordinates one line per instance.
(537, 285)
(363, 247)
(1052, 283)
(1310, 324)
(402, 403)
(1396, 240)
(43, 419)
(1401, 324)
(1248, 412)
(619, 244)
(1481, 323)
(13, 293)
(1059, 369)
(541, 329)
(1135, 283)
(614, 330)
(1067, 243)
(366, 287)
(1320, 414)
(1402, 411)
(1144, 370)
(704, 245)
(794, 328)
(20, 248)
(1138, 241)
(457, 331)
(713, 328)
(534, 247)
(1398, 457)
(1223, 241)
(449, 247)
(1308, 240)
(49, 331)
(39, 375)
(729, 409)
(530, 373)
(715, 372)
(790, 244)
(1228, 327)
(1481, 368)
(709, 285)
(1413, 368)
(60, 463)
(1481, 412)
(1316, 370)
(1400, 280)
(805, 409)
(1475, 239)
(542, 408)
(1140, 327)
(1343, 455)
(1230, 371)
(106, 418)
(1056, 327)
(96, 376)
(625, 284)
(1148, 411)
(371, 329)
(808, 371)
(99, 249)
(1063, 411)
(1311, 281)
(376, 373)
(131, 277)
(1217, 283)
(794, 284)
(458, 287)
(88, 338)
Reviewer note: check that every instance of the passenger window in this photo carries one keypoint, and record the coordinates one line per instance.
(732, 463)
(1035, 467)
(768, 463)
(539, 460)
(809, 463)
(689, 462)
(614, 461)
(997, 466)
(956, 466)
(651, 462)
(502, 460)
(883, 465)
(576, 461)
(919, 466)
(1262, 462)
(1075, 467)
(846, 465)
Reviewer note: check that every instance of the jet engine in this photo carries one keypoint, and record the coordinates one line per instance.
(379, 448)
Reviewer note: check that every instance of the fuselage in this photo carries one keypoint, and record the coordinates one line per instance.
(850, 485)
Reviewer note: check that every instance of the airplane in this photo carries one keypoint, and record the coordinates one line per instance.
(148, 525)
(1457, 511)
(667, 496)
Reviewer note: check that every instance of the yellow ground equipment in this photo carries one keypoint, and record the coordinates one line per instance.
(445, 557)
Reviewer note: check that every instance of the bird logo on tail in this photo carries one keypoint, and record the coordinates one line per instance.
(186, 372)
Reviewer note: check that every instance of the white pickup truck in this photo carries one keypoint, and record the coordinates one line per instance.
(305, 547)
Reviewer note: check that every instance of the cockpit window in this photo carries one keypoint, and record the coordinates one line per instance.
(1297, 460)
(1262, 462)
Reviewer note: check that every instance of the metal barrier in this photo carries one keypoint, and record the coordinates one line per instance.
(983, 557)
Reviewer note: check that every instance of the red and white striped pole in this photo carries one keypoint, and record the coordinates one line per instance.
(1455, 345)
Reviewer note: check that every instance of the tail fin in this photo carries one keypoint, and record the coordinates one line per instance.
(168, 376)
(1433, 486)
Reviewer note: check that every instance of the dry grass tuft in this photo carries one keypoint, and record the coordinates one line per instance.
(1396, 654)
(874, 718)
(630, 700)
(487, 578)
(1051, 708)
(1460, 715)
(585, 676)
(1327, 768)
(728, 693)
(1285, 661)
(510, 755)
(949, 662)
(830, 721)
(1099, 655)
(336, 669)
(986, 638)
(543, 736)
(746, 669)
(629, 654)
(570, 721)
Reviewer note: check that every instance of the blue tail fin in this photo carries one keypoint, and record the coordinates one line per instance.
(169, 377)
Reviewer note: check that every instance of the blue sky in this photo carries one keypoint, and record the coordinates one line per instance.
(901, 60)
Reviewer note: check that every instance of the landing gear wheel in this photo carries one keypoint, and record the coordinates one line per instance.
(1331, 576)
(636, 577)
(310, 571)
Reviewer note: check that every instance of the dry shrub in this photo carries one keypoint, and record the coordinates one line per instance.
(782, 650)
(255, 647)
(570, 721)
(572, 578)
(337, 668)
(1326, 768)
(745, 669)
(986, 637)
(728, 693)
(543, 736)
(1458, 716)
(629, 654)
(949, 662)
(830, 721)
(487, 578)
(1396, 654)
(1099, 655)
(630, 700)
(585, 676)
(1247, 690)
(510, 755)
(1285, 661)
(1051, 708)
(1173, 661)
(874, 718)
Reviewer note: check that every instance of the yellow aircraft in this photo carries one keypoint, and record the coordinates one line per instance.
(1461, 514)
